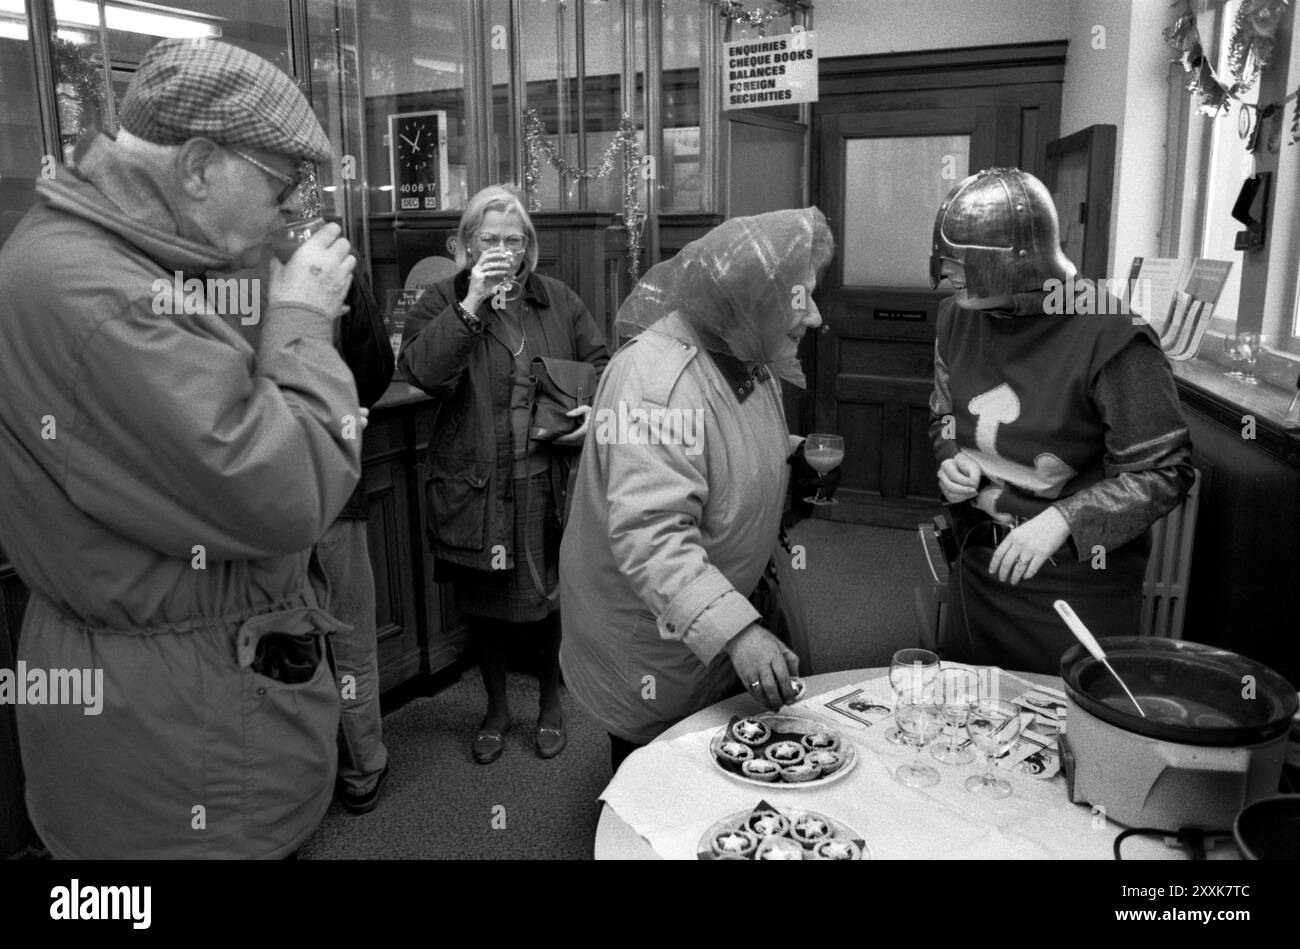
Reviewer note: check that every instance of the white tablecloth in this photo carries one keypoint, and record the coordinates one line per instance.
(671, 792)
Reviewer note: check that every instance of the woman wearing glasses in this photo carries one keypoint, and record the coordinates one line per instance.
(495, 496)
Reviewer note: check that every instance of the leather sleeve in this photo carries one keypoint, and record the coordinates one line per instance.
(1148, 452)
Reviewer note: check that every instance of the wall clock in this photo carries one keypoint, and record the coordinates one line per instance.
(417, 157)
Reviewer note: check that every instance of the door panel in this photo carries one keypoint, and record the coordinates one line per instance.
(883, 177)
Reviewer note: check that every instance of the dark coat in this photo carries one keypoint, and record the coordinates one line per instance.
(470, 374)
(364, 346)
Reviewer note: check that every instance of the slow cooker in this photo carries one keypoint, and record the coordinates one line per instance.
(1213, 741)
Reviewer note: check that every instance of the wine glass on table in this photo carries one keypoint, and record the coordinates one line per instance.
(1248, 346)
(920, 720)
(956, 690)
(823, 453)
(993, 726)
(911, 670)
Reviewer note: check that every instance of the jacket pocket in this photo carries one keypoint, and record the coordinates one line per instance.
(290, 753)
(457, 498)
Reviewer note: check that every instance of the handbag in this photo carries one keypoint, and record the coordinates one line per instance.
(559, 387)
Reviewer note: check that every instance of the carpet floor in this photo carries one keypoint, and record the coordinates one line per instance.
(438, 803)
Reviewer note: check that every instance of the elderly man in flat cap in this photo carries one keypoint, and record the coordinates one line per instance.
(165, 478)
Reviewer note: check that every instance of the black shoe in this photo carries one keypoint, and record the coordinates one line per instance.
(365, 803)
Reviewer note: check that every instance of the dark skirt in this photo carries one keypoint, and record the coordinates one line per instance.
(1016, 627)
(511, 595)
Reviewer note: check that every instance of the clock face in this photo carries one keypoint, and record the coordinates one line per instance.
(417, 142)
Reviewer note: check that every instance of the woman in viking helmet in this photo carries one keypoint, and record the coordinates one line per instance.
(1057, 429)
(680, 491)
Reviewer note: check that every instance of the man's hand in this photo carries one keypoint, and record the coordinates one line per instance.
(365, 418)
(959, 478)
(318, 274)
(1026, 549)
(575, 437)
(764, 665)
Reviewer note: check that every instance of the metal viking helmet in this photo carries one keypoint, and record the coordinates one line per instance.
(1000, 224)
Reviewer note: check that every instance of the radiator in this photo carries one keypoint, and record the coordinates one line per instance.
(1164, 590)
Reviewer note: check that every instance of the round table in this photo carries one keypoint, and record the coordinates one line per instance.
(615, 840)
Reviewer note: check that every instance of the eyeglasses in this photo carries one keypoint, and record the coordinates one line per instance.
(511, 241)
(290, 183)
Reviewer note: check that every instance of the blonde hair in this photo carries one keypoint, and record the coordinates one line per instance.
(504, 198)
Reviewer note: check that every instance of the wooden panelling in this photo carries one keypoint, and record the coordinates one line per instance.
(884, 357)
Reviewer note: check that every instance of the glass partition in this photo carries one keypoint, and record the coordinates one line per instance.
(682, 180)
(334, 65)
(414, 59)
(21, 147)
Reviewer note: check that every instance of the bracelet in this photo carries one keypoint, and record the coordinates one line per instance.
(468, 318)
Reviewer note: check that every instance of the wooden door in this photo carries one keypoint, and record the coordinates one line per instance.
(893, 135)
(883, 177)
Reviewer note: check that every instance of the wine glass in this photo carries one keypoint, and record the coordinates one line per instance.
(823, 453)
(910, 670)
(1248, 346)
(993, 726)
(1233, 349)
(920, 720)
(286, 240)
(957, 689)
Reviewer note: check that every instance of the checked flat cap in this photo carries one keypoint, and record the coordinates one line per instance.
(214, 90)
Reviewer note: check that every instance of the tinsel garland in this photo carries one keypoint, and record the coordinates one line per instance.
(309, 187)
(73, 67)
(624, 144)
(1250, 50)
(1253, 41)
(759, 18)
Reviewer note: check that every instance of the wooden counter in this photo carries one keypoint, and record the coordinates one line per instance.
(417, 625)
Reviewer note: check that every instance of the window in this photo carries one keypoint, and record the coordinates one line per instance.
(682, 181)
(579, 83)
(20, 121)
(414, 59)
(1263, 289)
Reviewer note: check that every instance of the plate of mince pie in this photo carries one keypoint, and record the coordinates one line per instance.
(771, 833)
(782, 750)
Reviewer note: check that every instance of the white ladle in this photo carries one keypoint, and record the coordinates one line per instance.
(1090, 643)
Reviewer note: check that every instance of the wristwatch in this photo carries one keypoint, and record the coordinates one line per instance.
(468, 318)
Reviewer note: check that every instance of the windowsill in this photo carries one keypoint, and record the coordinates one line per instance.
(1202, 385)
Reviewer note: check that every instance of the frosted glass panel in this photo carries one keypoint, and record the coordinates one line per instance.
(892, 191)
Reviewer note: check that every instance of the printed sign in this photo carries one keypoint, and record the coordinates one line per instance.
(773, 70)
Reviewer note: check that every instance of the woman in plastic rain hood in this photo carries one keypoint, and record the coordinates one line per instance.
(679, 494)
